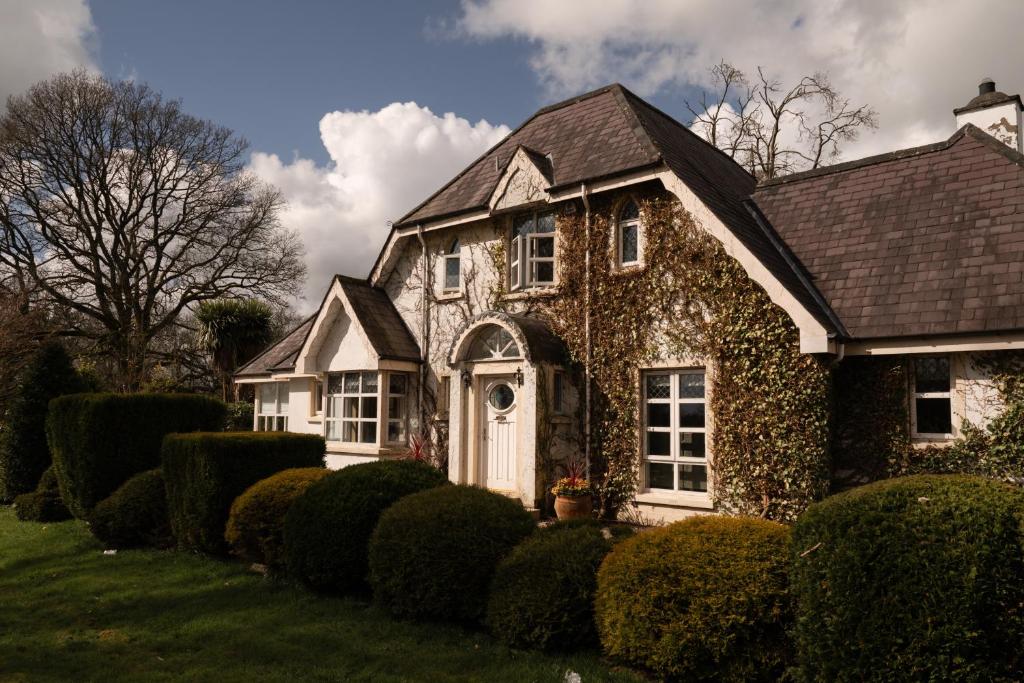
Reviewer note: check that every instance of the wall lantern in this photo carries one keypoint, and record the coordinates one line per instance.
(519, 376)
(467, 378)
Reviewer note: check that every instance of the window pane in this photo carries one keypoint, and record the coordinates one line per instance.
(396, 408)
(931, 374)
(691, 414)
(523, 224)
(454, 248)
(396, 384)
(350, 431)
(451, 273)
(546, 222)
(691, 385)
(693, 478)
(658, 386)
(282, 423)
(369, 408)
(268, 398)
(658, 443)
(394, 431)
(691, 445)
(544, 272)
(543, 247)
(351, 407)
(334, 407)
(369, 382)
(368, 432)
(282, 399)
(351, 382)
(934, 416)
(261, 424)
(659, 415)
(333, 430)
(334, 383)
(629, 243)
(659, 475)
(630, 211)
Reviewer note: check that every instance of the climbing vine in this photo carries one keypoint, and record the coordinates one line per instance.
(769, 402)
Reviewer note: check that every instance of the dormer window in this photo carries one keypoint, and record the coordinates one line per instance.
(532, 253)
(627, 235)
(452, 268)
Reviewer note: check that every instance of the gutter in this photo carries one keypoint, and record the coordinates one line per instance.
(586, 332)
(424, 327)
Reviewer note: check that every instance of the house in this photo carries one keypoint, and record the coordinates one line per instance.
(915, 253)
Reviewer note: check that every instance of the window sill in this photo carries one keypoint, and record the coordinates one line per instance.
(925, 440)
(560, 419)
(688, 500)
(534, 293)
(628, 269)
(450, 296)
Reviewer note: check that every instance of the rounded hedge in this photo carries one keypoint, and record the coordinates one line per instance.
(255, 527)
(701, 599)
(433, 554)
(327, 529)
(44, 504)
(135, 515)
(908, 577)
(542, 594)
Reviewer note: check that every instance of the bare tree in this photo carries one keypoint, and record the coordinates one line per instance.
(123, 209)
(773, 130)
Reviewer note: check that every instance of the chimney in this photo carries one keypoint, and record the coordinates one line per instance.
(998, 114)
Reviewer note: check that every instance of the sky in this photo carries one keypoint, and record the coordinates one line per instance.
(357, 111)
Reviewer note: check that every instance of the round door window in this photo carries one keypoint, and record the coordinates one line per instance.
(501, 397)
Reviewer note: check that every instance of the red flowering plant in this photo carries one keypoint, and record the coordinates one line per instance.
(419, 449)
(574, 483)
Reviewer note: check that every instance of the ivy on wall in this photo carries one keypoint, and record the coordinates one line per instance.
(769, 402)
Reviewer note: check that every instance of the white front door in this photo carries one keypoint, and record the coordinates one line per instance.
(499, 433)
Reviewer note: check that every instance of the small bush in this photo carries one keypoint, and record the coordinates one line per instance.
(24, 454)
(433, 554)
(905, 578)
(134, 515)
(255, 528)
(542, 595)
(701, 599)
(327, 531)
(44, 504)
(99, 441)
(205, 472)
(239, 417)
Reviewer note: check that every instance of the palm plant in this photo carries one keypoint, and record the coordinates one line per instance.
(233, 331)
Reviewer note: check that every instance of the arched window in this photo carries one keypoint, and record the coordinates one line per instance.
(452, 268)
(627, 235)
(493, 343)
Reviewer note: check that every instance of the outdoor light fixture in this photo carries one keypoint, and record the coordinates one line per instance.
(467, 378)
(519, 376)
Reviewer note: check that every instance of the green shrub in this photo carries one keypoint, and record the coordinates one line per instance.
(135, 514)
(99, 441)
(44, 504)
(906, 578)
(433, 554)
(255, 528)
(701, 599)
(239, 417)
(24, 454)
(205, 472)
(327, 531)
(542, 595)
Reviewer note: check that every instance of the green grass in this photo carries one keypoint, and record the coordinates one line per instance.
(70, 613)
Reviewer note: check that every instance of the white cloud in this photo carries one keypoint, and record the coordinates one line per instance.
(382, 164)
(912, 60)
(39, 38)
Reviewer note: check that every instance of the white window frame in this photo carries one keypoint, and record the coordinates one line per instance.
(273, 417)
(453, 254)
(523, 261)
(947, 395)
(382, 395)
(620, 226)
(402, 421)
(316, 398)
(674, 430)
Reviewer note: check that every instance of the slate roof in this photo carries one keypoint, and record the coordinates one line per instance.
(383, 326)
(281, 356)
(923, 241)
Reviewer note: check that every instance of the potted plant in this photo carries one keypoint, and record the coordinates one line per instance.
(573, 495)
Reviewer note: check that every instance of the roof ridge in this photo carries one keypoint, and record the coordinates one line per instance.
(278, 342)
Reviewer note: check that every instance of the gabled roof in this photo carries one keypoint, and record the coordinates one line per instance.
(377, 315)
(279, 357)
(922, 241)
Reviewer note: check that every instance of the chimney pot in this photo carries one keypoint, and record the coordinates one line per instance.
(986, 86)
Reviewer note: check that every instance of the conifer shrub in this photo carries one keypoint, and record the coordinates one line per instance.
(434, 553)
(205, 471)
(255, 528)
(909, 577)
(99, 441)
(702, 599)
(327, 530)
(44, 504)
(542, 595)
(135, 515)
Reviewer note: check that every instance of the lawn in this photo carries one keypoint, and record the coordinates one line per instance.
(70, 613)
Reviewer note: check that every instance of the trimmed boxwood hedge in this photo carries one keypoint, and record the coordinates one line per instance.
(204, 472)
(912, 579)
(255, 528)
(542, 595)
(44, 504)
(135, 514)
(433, 554)
(99, 441)
(702, 599)
(327, 530)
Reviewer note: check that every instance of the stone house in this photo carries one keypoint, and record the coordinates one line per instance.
(914, 253)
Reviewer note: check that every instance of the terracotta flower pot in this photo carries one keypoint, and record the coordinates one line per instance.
(573, 507)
